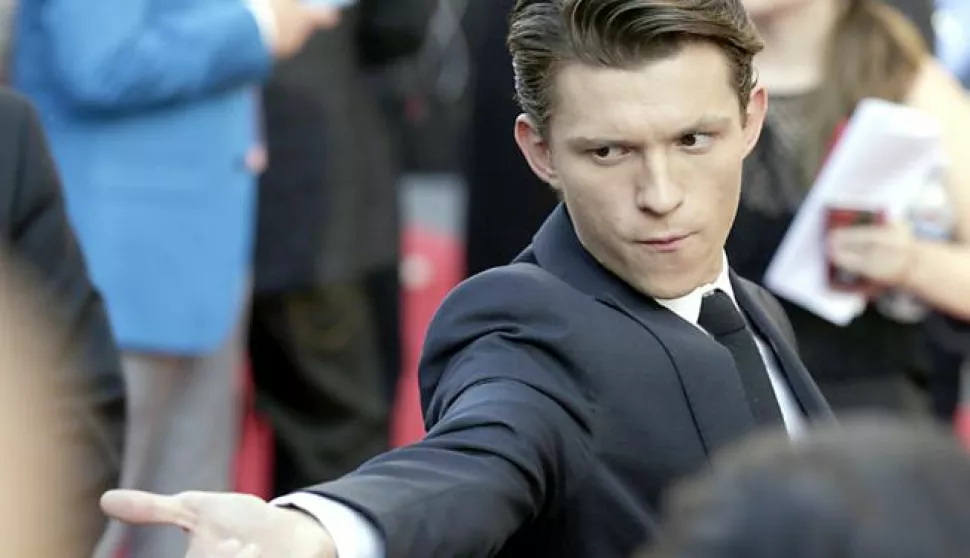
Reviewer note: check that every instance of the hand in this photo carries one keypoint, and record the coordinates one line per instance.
(296, 21)
(257, 159)
(225, 525)
(882, 254)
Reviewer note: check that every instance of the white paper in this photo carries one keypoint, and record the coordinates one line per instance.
(886, 153)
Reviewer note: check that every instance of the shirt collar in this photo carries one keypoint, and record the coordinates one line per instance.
(688, 306)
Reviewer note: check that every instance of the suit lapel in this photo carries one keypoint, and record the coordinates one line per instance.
(799, 380)
(706, 370)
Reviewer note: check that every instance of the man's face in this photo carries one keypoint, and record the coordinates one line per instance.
(648, 161)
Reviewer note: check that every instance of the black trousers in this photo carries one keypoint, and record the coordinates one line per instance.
(320, 380)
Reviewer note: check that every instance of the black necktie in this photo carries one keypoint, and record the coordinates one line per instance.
(720, 317)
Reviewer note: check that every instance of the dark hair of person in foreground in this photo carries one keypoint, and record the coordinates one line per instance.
(874, 488)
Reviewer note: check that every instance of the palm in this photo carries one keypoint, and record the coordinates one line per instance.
(224, 525)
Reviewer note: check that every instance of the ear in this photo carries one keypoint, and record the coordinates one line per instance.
(535, 149)
(755, 117)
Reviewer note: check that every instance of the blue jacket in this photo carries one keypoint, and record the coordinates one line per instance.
(149, 107)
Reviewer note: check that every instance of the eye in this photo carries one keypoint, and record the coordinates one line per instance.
(609, 153)
(696, 141)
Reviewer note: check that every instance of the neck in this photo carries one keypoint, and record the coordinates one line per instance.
(796, 42)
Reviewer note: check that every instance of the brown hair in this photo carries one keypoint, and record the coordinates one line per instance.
(545, 34)
(874, 52)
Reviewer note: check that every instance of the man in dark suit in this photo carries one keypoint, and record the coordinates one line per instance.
(37, 238)
(565, 392)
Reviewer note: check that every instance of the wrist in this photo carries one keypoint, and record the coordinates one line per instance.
(909, 275)
(311, 533)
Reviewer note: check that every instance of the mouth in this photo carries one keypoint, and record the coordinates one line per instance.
(667, 243)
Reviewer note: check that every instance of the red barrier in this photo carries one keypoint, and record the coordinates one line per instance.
(432, 265)
(962, 425)
(254, 459)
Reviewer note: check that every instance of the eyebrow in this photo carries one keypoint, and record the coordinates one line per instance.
(703, 123)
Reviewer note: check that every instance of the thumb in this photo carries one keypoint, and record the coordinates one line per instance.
(135, 506)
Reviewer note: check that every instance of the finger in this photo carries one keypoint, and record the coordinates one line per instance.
(848, 235)
(323, 17)
(229, 547)
(202, 546)
(863, 243)
(849, 260)
(256, 160)
(135, 506)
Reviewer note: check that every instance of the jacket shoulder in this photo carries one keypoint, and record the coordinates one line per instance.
(518, 289)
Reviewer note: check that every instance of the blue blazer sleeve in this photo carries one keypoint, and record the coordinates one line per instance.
(131, 54)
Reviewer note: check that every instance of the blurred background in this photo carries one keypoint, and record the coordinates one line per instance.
(245, 244)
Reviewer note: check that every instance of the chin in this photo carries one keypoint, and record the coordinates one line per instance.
(671, 284)
(666, 292)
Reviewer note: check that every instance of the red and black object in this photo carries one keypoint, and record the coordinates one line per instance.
(842, 217)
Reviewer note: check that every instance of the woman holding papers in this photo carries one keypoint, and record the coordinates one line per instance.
(822, 57)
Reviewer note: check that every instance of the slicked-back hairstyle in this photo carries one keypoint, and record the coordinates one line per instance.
(544, 35)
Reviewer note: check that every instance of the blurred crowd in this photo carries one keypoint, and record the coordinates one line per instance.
(199, 192)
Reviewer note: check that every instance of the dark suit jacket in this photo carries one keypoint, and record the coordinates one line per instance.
(36, 234)
(560, 404)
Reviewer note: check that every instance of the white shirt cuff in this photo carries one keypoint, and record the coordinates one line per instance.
(354, 536)
(265, 19)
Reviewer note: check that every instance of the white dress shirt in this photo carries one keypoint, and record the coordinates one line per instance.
(355, 536)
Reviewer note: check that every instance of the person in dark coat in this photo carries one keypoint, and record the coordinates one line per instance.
(506, 202)
(324, 318)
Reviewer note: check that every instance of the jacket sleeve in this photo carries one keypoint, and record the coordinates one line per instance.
(118, 55)
(509, 429)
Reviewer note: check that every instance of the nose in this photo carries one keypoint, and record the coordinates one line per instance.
(657, 192)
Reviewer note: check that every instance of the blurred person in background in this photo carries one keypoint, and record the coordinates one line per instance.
(44, 470)
(150, 108)
(38, 241)
(821, 58)
(949, 338)
(920, 13)
(872, 488)
(328, 231)
(506, 202)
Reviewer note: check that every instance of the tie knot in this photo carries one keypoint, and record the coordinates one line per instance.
(719, 316)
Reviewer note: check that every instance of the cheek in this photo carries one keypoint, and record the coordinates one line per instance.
(602, 187)
(715, 182)
(597, 197)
